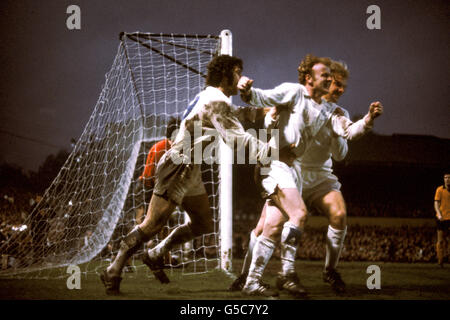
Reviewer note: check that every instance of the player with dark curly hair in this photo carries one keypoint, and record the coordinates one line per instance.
(178, 175)
(221, 68)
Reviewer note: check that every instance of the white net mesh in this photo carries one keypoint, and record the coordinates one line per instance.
(91, 205)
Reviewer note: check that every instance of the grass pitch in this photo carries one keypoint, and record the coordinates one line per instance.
(399, 281)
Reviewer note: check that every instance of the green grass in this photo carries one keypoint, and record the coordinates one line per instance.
(398, 282)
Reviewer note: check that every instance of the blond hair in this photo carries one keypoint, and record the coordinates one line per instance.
(306, 65)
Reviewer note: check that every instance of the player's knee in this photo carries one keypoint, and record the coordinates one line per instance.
(339, 218)
(298, 217)
(302, 215)
(258, 232)
(275, 232)
(273, 229)
(259, 229)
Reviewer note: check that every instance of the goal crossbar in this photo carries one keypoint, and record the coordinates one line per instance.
(166, 56)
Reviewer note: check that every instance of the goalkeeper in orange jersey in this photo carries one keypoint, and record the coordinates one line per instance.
(146, 180)
(442, 208)
(178, 179)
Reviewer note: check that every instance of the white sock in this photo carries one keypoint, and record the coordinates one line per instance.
(334, 245)
(290, 239)
(249, 254)
(262, 252)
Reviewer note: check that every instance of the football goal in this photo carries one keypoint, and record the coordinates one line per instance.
(92, 202)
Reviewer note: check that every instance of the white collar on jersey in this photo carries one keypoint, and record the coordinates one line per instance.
(214, 90)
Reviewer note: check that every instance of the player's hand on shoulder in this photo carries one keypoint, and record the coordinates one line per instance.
(339, 111)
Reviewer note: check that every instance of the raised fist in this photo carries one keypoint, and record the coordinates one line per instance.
(245, 84)
(375, 109)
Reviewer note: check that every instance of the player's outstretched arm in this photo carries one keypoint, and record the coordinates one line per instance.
(282, 96)
(219, 115)
(251, 113)
(375, 110)
(344, 127)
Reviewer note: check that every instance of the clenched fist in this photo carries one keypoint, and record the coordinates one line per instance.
(244, 86)
(375, 110)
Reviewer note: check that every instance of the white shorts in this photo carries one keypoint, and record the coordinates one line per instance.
(281, 175)
(317, 184)
(176, 181)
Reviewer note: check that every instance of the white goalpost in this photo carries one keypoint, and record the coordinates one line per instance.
(91, 204)
(226, 182)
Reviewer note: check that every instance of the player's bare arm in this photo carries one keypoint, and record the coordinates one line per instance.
(342, 126)
(437, 205)
(375, 110)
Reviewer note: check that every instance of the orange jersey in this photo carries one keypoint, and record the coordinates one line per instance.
(153, 157)
(443, 196)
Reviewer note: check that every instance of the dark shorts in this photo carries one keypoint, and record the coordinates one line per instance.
(443, 225)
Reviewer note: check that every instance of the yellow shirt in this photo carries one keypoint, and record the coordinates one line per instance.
(443, 196)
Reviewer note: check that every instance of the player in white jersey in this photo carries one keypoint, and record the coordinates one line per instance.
(300, 129)
(321, 188)
(178, 176)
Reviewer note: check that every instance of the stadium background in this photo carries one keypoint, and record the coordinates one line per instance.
(389, 189)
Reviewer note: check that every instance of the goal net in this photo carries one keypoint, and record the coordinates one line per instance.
(92, 203)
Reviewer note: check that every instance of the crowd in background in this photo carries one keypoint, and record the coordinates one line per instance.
(363, 243)
(15, 207)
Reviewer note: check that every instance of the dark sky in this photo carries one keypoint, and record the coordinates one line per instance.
(52, 76)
